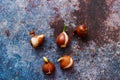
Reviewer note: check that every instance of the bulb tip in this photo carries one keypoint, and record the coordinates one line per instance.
(45, 59)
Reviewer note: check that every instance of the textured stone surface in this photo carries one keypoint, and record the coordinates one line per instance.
(96, 58)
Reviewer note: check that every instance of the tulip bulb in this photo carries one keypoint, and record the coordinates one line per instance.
(81, 30)
(37, 40)
(66, 62)
(48, 67)
(63, 39)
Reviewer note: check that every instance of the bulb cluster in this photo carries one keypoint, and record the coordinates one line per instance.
(66, 62)
(62, 40)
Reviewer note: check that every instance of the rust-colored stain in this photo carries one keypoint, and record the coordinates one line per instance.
(92, 13)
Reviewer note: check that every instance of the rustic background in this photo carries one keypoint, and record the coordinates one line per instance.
(96, 58)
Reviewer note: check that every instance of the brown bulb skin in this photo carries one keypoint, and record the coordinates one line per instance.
(48, 68)
(81, 31)
(37, 40)
(66, 62)
(63, 40)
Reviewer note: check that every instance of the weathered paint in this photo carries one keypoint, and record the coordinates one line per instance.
(96, 58)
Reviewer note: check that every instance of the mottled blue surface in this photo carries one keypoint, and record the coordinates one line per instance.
(94, 60)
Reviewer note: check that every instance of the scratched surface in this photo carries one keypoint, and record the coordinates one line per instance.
(96, 58)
